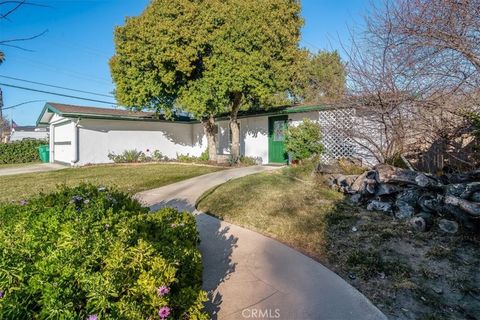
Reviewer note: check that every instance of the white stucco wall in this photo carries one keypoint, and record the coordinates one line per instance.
(254, 134)
(98, 138)
(254, 137)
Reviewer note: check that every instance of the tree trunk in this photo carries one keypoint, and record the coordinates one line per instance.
(211, 130)
(235, 126)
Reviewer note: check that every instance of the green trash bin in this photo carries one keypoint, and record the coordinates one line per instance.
(44, 153)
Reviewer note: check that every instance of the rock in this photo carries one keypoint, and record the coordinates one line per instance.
(423, 181)
(390, 174)
(370, 185)
(355, 198)
(475, 197)
(359, 184)
(472, 208)
(404, 210)
(409, 196)
(470, 189)
(421, 222)
(430, 203)
(379, 206)
(448, 226)
(346, 181)
(387, 188)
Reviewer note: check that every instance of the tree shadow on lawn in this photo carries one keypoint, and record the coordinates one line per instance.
(216, 246)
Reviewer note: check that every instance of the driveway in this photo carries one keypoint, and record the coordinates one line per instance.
(250, 276)
(37, 167)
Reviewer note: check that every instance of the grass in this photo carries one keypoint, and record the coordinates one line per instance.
(280, 204)
(126, 177)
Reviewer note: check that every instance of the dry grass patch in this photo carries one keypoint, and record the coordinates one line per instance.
(280, 205)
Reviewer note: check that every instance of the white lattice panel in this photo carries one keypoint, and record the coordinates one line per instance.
(336, 125)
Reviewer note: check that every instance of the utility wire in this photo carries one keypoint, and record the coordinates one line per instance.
(57, 94)
(21, 104)
(58, 87)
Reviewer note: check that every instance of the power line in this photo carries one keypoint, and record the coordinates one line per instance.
(21, 104)
(58, 87)
(57, 94)
(65, 71)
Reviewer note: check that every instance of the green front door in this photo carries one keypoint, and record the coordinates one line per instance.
(276, 138)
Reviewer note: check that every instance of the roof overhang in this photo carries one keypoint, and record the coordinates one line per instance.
(49, 111)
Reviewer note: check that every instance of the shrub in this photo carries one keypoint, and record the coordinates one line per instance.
(20, 151)
(188, 158)
(204, 156)
(89, 251)
(128, 156)
(158, 156)
(303, 141)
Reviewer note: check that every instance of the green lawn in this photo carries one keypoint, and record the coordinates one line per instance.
(279, 204)
(128, 177)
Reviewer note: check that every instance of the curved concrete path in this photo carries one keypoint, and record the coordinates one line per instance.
(250, 276)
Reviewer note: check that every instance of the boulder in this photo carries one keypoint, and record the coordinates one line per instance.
(409, 196)
(403, 210)
(448, 226)
(387, 188)
(379, 206)
(421, 222)
(475, 197)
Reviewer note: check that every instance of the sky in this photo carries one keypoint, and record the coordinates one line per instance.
(78, 42)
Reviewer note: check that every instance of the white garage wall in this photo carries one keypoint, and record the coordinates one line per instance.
(97, 138)
(62, 140)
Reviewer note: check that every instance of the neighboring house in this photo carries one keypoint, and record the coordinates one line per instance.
(19, 133)
(83, 135)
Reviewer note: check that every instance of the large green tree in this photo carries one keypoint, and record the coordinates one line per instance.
(208, 57)
(323, 78)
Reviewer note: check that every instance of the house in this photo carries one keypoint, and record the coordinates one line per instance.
(86, 135)
(19, 133)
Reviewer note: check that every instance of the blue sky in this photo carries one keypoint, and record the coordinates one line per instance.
(75, 51)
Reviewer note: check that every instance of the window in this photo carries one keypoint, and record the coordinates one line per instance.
(279, 130)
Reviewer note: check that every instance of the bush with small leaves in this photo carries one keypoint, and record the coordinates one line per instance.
(304, 141)
(20, 151)
(95, 253)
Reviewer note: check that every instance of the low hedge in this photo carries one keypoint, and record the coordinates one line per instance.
(94, 253)
(20, 151)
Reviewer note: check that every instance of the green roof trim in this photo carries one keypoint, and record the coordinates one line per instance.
(283, 110)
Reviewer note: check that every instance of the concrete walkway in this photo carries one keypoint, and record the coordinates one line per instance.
(37, 167)
(250, 276)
